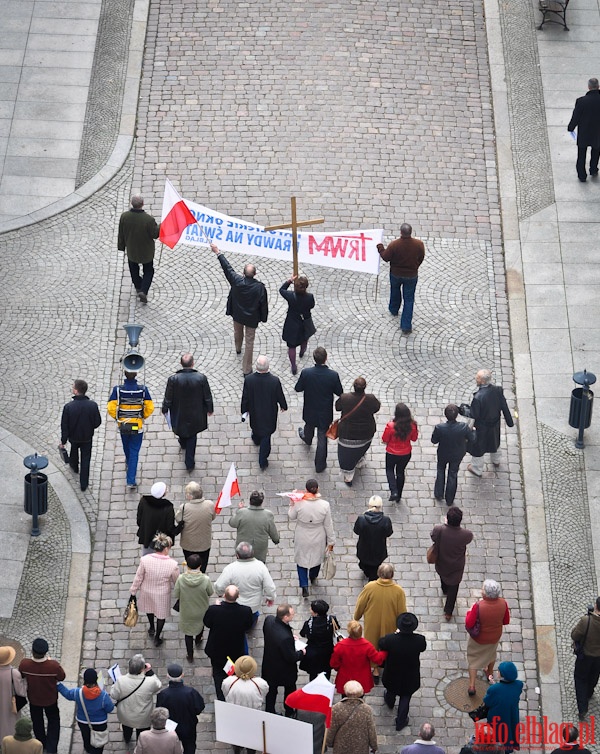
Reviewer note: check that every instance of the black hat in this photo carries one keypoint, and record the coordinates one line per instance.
(407, 623)
(90, 676)
(174, 670)
(39, 646)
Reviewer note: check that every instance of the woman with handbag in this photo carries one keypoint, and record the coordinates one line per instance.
(398, 436)
(192, 590)
(93, 705)
(298, 326)
(314, 533)
(356, 427)
(484, 623)
(12, 686)
(318, 631)
(154, 580)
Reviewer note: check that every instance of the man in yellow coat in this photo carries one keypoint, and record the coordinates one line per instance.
(380, 602)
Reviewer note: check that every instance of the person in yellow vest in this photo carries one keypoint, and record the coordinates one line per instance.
(130, 404)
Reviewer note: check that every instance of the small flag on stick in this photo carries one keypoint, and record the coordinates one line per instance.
(230, 489)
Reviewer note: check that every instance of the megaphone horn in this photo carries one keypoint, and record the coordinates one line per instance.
(133, 361)
(133, 333)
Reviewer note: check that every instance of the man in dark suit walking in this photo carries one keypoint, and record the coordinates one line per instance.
(280, 657)
(247, 304)
(319, 384)
(261, 396)
(189, 402)
(80, 417)
(451, 437)
(228, 623)
(586, 119)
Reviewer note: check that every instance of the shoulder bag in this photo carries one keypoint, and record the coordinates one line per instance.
(337, 634)
(578, 646)
(17, 701)
(332, 432)
(432, 550)
(98, 738)
(329, 566)
(130, 693)
(179, 527)
(475, 629)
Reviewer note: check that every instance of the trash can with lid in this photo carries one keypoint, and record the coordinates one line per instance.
(42, 494)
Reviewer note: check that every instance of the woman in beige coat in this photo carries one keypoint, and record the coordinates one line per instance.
(194, 519)
(314, 533)
(9, 678)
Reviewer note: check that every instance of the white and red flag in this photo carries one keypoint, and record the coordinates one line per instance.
(230, 489)
(316, 696)
(229, 667)
(175, 218)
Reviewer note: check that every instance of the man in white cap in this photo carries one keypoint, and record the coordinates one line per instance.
(373, 529)
(155, 513)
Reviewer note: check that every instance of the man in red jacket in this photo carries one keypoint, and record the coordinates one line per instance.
(42, 675)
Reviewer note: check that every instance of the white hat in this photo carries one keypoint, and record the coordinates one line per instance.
(158, 490)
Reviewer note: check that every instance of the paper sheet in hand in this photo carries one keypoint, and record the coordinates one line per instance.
(114, 672)
(298, 645)
(170, 724)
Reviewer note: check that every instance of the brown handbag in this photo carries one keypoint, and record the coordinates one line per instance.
(332, 432)
(432, 550)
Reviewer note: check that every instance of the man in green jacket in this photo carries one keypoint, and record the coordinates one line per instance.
(137, 231)
(255, 525)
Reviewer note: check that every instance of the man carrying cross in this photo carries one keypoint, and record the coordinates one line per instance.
(247, 304)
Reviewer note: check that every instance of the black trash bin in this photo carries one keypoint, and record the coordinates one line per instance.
(42, 494)
(577, 402)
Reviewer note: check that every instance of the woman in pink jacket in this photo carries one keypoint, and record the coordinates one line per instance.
(398, 435)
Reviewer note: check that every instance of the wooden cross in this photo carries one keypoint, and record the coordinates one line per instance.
(294, 225)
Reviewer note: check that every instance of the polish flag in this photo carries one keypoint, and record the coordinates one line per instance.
(229, 667)
(230, 488)
(316, 696)
(176, 216)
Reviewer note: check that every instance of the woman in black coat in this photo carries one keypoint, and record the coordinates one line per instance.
(298, 326)
(318, 631)
(373, 529)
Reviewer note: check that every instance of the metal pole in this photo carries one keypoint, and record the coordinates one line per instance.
(583, 413)
(294, 236)
(35, 528)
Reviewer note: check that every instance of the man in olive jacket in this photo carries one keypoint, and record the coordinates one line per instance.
(255, 525)
(137, 231)
(189, 402)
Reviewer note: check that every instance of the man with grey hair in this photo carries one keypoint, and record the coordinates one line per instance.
(194, 520)
(255, 525)
(183, 704)
(188, 402)
(586, 119)
(405, 256)
(488, 404)
(158, 740)
(425, 743)
(262, 396)
(137, 231)
(352, 726)
(252, 578)
(247, 304)
(134, 695)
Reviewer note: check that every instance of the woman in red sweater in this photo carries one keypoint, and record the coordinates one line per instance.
(352, 658)
(398, 435)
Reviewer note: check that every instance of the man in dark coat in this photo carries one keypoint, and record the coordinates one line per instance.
(587, 663)
(319, 384)
(586, 119)
(228, 623)
(247, 304)
(402, 672)
(189, 403)
(184, 704)
(451, 437)
(154, 514)
(79, 419)
(137, 231)
(280, 657)
(261, 396)
(451, 541)
(487, 405)
(373, 529)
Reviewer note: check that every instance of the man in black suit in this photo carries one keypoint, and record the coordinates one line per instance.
(228, 623)
(280, 657)
(402, 672)
(184, 704)
(248, 305)
(261, 396)
(79, 419)
(486, 407)
(319, 384)
(586, 118)
(451, 437)
(189, 402)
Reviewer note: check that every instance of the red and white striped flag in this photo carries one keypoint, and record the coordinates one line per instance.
(316, 696)
(230, 488)
(176, 216)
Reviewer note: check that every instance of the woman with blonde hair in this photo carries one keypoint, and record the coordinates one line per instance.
(155, 578)
(352, 658)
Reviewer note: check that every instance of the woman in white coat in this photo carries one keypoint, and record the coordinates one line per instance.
(314, 533)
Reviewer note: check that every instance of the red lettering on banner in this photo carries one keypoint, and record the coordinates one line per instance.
(350, 246)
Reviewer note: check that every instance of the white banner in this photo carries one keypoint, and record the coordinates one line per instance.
(345, 250)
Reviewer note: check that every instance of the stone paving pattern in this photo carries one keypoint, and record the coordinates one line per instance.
(235, 109)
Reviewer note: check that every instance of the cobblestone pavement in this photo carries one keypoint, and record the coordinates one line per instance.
(240, 112)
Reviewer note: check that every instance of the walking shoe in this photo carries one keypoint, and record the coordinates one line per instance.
(406, 332)
(305, 592)
(301, 436)
(190, 658)
(471, 470)
(394, 498)
(157, 641)
(142, 297)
